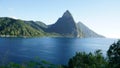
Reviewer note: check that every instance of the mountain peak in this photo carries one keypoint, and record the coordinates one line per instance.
(67, 11)
(67, 14)
(65, 26)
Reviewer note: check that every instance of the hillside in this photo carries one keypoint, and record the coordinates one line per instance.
(12, 27)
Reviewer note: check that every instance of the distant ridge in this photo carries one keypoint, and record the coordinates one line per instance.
(86, 32)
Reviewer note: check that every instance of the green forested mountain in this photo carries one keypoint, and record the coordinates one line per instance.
(13, 27)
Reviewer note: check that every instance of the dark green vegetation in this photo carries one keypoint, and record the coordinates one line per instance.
(114, 55)
(83, 60)
(32, 64)
(64, 27)
(80, 60)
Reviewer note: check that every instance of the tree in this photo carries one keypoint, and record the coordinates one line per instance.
(114, 55)
(84, 60)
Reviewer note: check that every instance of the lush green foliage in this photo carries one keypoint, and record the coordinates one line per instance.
(32, 64)
(114, 55)
(84, 60)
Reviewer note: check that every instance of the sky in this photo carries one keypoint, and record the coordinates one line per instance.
(102, 16)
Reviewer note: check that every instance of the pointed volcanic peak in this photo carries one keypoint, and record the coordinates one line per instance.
(67, 14)
(65, 25)
(66, 18)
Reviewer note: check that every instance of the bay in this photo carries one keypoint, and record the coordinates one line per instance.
(54, 50)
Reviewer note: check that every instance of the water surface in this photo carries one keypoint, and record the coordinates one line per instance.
(54, 50)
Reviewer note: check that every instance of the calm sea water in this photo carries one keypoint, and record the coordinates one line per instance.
(54, 50)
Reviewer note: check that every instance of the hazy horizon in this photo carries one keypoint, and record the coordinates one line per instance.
(102, 16)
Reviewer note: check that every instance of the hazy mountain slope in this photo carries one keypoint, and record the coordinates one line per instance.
(85, 31)
(37, 25)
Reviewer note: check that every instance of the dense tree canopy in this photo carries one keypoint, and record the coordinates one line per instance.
(114, 55)
(84, 60)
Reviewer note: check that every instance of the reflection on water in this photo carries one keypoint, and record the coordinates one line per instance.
(55, 50)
